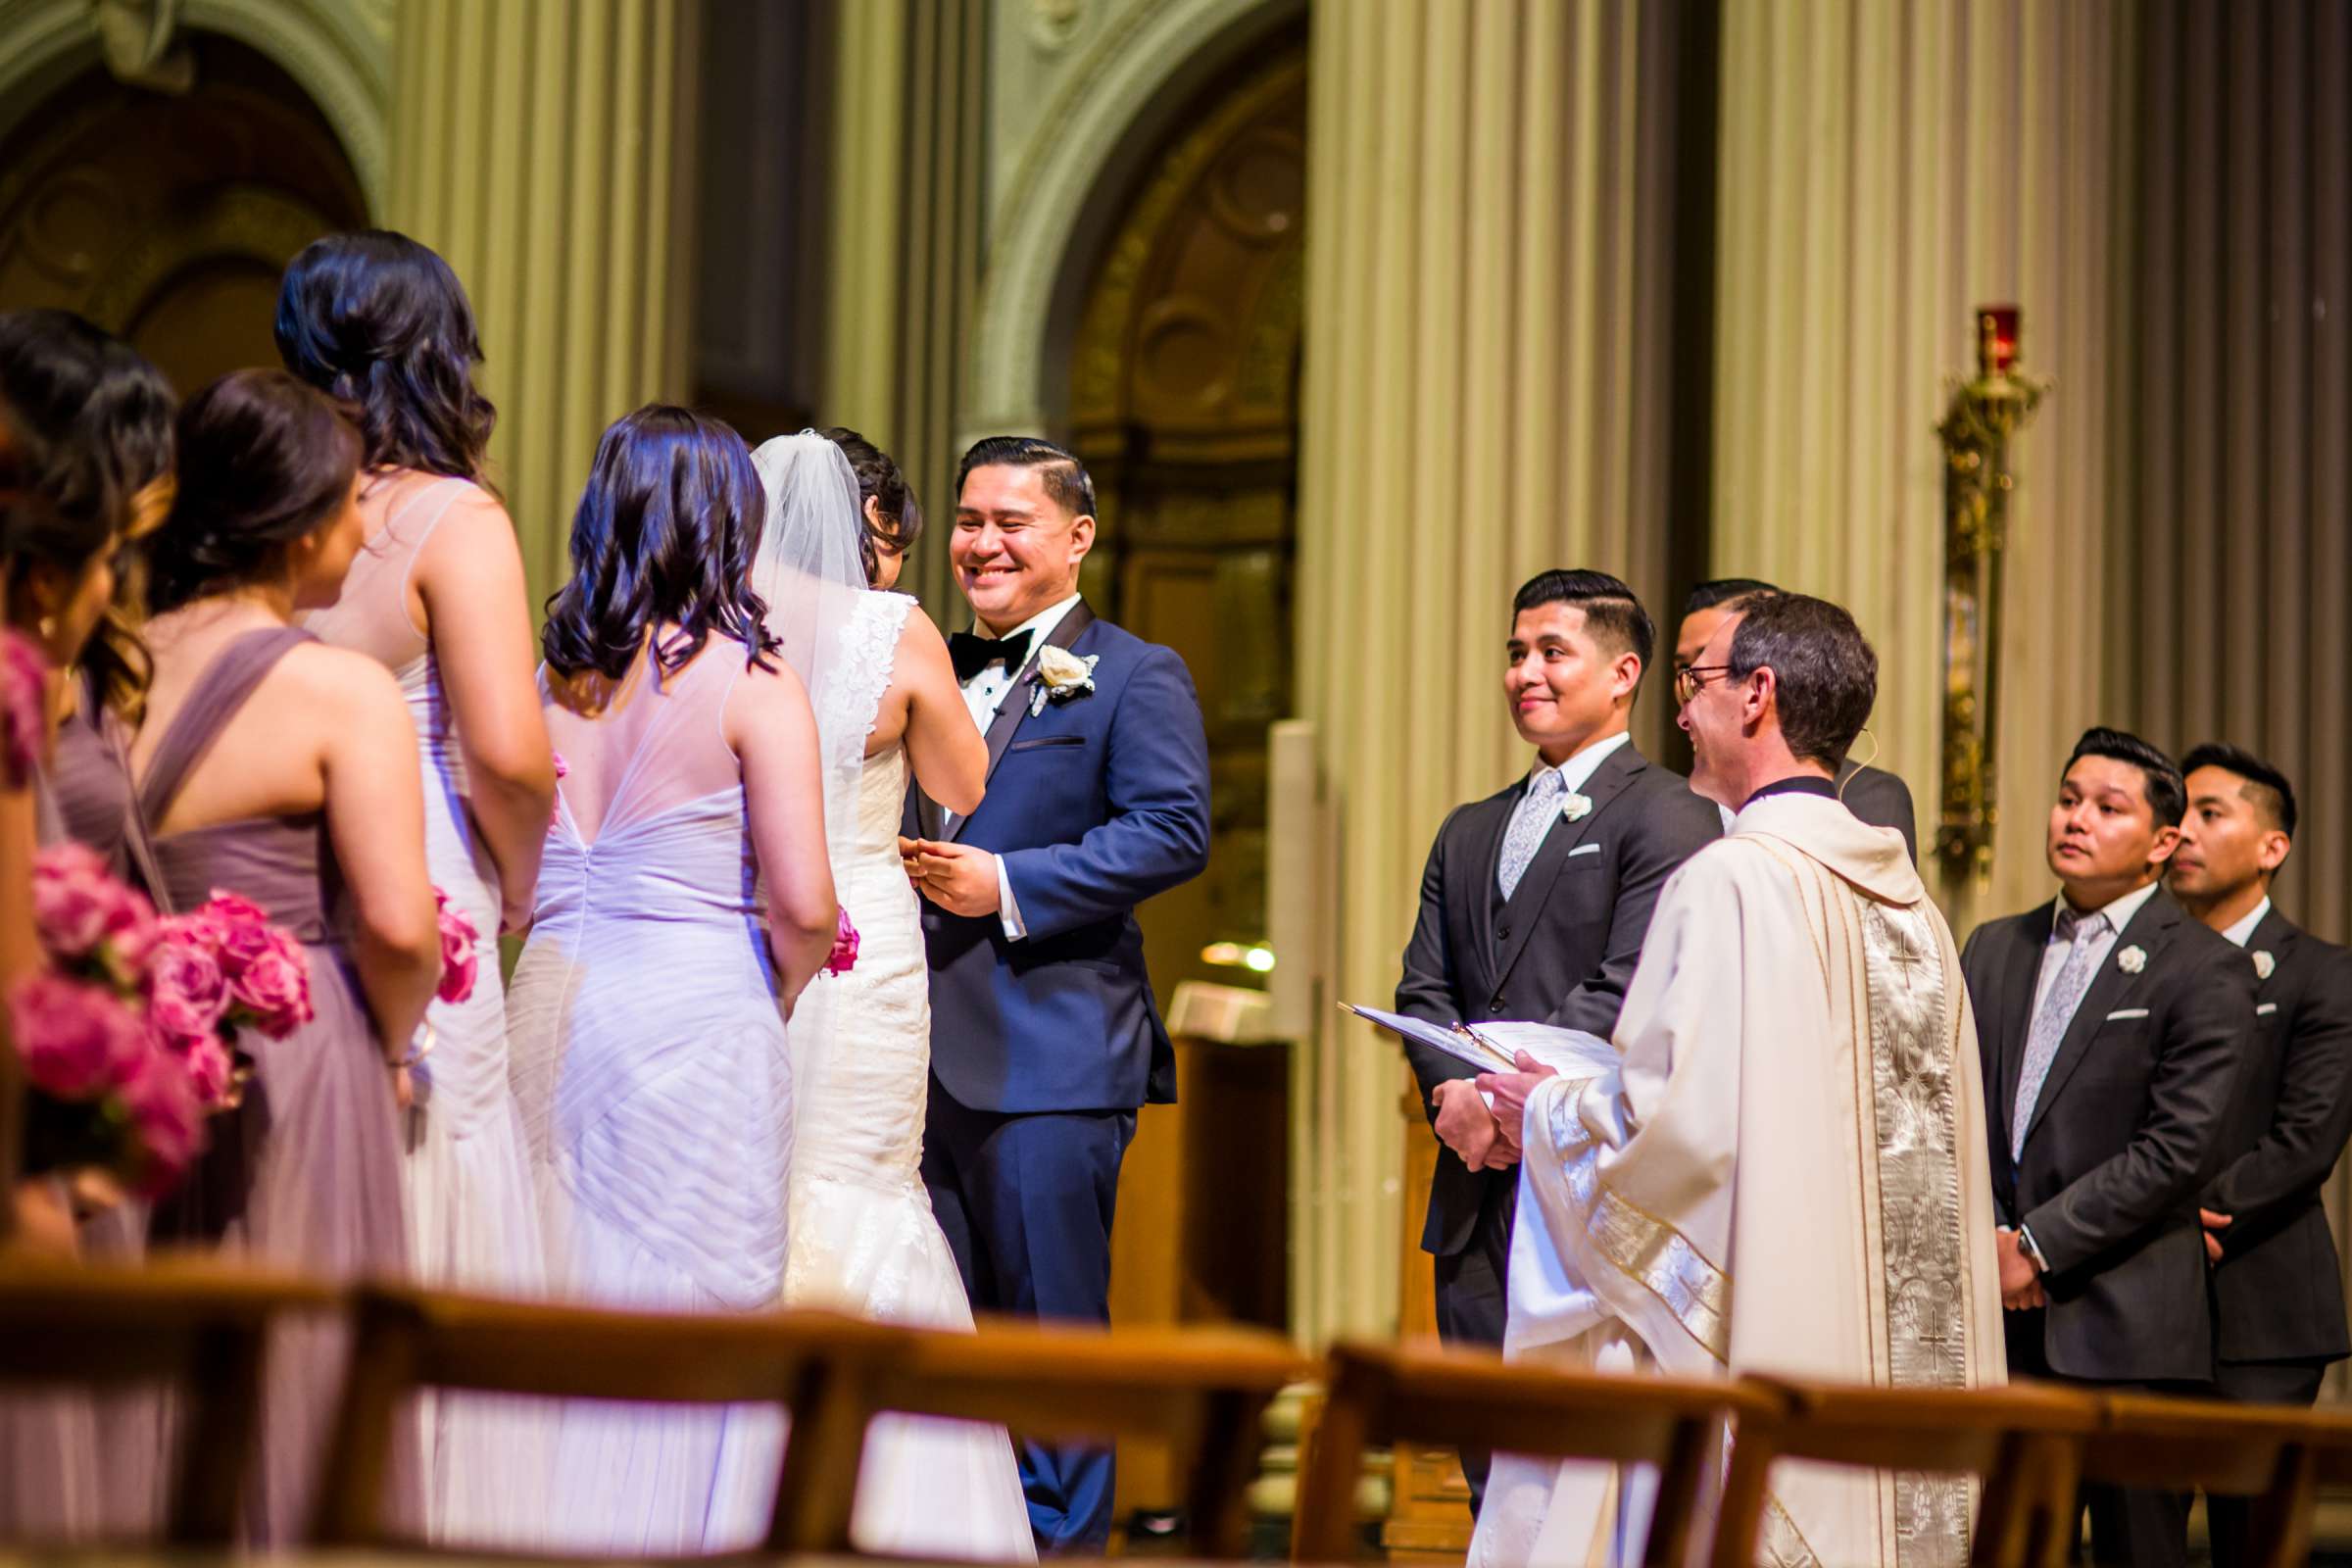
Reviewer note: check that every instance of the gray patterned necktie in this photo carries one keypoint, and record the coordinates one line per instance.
(2056, 1013)
(1529, 818)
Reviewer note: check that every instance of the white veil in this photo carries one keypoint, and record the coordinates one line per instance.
(812, 575)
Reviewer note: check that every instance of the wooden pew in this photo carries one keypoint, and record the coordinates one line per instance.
(196, 1324)
(823, 1368)
(1380, 1393)
(2277, 1455)
(1199, 1391)
(2025, 1441)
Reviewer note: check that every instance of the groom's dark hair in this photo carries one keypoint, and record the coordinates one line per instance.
(1613, 614)
(1061, 474)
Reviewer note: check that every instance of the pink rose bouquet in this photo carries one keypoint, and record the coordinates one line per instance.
(214, 973)
(88, 921)
(459, 942)
(23, 706)
(103, 1091)
(843, 956)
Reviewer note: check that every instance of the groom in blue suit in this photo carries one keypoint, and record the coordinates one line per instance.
(1044, 1035)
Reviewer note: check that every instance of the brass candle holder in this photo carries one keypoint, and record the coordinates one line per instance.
(1984, 415)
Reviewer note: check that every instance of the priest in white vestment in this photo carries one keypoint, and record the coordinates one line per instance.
(1785, 1171)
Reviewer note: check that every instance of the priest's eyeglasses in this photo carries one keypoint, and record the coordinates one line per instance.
(1688, 680)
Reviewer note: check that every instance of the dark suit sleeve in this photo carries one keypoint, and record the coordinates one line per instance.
(2314, 1113)
(1975, 973)
(1883, 800)
(1427, 989)
(1155, 835)
(2173, 1154)
(1674, 825)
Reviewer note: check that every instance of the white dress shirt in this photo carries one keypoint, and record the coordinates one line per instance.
(2053, 951)
(2243, 932)
(984, 695)
(1575, 773)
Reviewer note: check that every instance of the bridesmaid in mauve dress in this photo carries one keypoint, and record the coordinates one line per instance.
(87, 436)
(119, 409)
(279, 768)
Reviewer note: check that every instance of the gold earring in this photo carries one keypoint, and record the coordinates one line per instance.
(48, 627)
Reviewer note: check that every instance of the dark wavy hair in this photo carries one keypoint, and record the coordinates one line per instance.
(380, 321)
(665, 532)
(879, 481)
(263, 459)
(92, 423)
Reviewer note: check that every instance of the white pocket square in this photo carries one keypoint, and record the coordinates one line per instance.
(2268, 1006)
(2127, 1013)
(1584, 849)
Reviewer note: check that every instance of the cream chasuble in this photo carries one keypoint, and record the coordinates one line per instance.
(1785, 1171)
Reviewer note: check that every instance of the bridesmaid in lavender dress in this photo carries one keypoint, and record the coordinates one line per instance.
(436, 595)
(686, 894)
(275, 767)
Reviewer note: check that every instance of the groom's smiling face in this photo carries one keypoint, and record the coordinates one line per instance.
(1016, 550)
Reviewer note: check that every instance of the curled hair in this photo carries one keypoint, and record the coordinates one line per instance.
(2264, 787)
(93, 438)
(1613, 613)
(265, 459)
(1062, 475)
(1824, 672)
(879, 481)
(664, 534)
(380, 321)
(2161, 780)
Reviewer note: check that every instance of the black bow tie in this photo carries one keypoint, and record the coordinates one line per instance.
(973, 653)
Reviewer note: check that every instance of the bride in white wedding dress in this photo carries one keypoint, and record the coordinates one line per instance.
(860, 1233)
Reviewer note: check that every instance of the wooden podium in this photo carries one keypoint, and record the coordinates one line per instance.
(1429, 1511)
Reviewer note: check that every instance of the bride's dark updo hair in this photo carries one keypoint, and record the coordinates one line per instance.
(264, 461)
(879, 481)
(379, 320)
(664, 536)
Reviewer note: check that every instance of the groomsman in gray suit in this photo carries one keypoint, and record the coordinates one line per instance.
(2277, 1285)
(1877, 797)
(1535, 905)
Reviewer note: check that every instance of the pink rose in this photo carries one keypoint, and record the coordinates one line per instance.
(234, 909)
(459, 942)
(210, 1071)
(275, 986)
(843, 956)
(186, 994)
(167, 1120)
(23, 706)
(555, 812)
(74, 900)
(195, 929)
(76, 1039)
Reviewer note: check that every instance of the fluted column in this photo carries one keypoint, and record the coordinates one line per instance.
(539, 146)
(1485, 381)
(1887, 166)
(905, 263)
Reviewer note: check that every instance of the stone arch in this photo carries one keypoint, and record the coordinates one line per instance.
(338, 51)
(1115, 107)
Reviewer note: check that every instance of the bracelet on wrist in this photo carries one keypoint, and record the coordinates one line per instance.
(420, 1046)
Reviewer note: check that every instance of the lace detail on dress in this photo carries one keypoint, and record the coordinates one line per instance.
(853, 700)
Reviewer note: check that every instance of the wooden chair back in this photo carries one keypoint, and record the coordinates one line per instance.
(2024, 1441)
(1380, 1393)
(195, 1325)
(820, 1367)
(2277, 1454)
(1200, 1391)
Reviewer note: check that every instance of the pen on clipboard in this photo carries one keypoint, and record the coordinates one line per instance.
(1493, 1050)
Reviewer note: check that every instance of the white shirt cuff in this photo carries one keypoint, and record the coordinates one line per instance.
(1007, 910)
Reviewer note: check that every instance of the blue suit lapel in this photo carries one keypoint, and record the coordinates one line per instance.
(1016, 706)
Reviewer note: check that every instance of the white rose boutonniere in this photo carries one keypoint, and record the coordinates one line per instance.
(2263, 964)
(1061, 676)
(2133, 959)
(1576, 807)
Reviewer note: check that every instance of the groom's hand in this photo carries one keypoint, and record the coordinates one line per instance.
(1464, 1124)
(959, 878)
